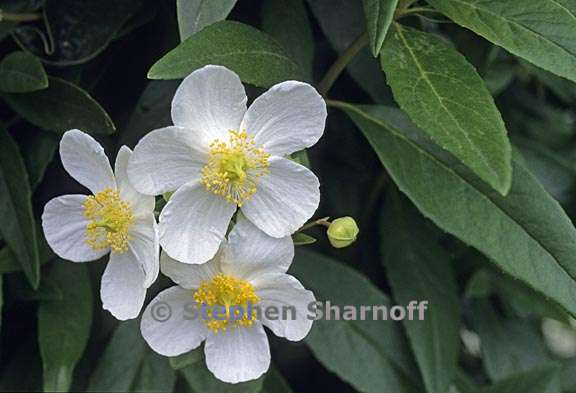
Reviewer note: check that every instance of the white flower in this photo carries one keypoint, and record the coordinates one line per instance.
(219, 156)
(116, 219)
(250, 267)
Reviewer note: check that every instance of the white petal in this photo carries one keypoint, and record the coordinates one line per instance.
(285, 199)
(287, 118)
(194, 223)
(165, 159)
(85, 160)
(122, 289)
(250, 252)
(167, 324)
(238, 355)
(64, 227)
(144, 245)
(289, 297)
(141, 204)
(210, 99)
(186, 275)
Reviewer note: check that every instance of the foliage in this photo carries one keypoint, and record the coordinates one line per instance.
(450, 139)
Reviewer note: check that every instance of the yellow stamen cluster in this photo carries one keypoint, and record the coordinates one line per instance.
(110, 219)
(227, 291)
(234, 168)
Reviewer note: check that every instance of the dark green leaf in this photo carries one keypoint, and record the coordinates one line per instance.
(10, 264)
(21, 72)
(527, 234)
(379, 16)
(445, 96)
(17, 225)
(187, 359)
(64, 325)
(287, 21)
(367, 354)
(274, 382)
(38, 154)
(254, 56)
(419, 269)
(61, 107)
(79, 30)
(201, 380)
(541, 31)
(155, 375)
(538, 380)
(194, 15)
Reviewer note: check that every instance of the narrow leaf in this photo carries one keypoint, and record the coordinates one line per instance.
(21, 72)
(38, 154)
(527, 234)
(541, 31)
(537, 380)
(194, 15)
(17, 225)
(369, 353)
(61, 107)
(444, 95)
(64, 325)
(254, 56)
(379, 16)
(419, 269)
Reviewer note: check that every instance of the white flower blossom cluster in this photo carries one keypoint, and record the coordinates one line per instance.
(224, 163)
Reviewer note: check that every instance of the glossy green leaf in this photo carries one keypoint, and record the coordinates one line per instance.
(194, 15)
(61, 107)
(64, 325)
(367, 354)
(288, 22)
(419, 269)
(17, 225)
(200, 379)
(21, 72)
(254, 56)
(78, 30)
(526, 234)
(537, 380)
(445, 96)
(541, 31)
(379, 16)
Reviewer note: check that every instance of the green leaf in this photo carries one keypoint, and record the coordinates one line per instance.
(17, 225)
(302, 239)
(127, 365)
(445, 96)
(201, 380)
(288, 22)
(21, 72)
(379, 16)
(187, 359)
(526, 234)
(194, 15)
(367, 354)
(274, 382)
(9, 262)
(38, 154)
(541, 31)
(64, 325)
(61, 107)
(508, 346)
(419, 269)
(78, 31)
(537, 380)
(254, 56)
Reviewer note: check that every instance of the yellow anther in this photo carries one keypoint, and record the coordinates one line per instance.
(227, 291)
(110, 220)
(233, 168)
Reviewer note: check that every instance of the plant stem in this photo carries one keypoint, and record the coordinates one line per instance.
(341, 63)
(25, 17)
(321, 221)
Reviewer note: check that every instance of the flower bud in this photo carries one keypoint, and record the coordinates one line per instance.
(342, 232)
